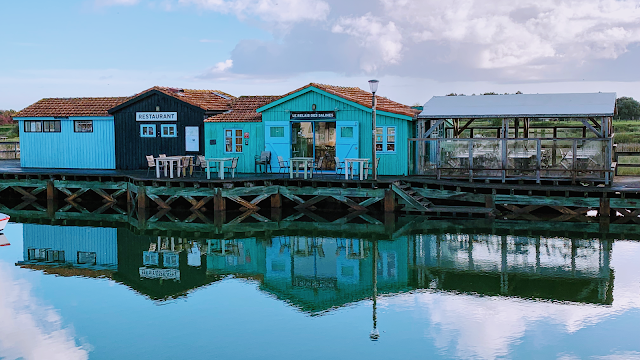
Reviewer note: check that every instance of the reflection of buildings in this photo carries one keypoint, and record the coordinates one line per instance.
(529, 267)
(313, 273)
(319, 273)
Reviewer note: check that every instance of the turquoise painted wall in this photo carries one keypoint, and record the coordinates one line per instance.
(390, 163)
(68, 149)
(215, 131)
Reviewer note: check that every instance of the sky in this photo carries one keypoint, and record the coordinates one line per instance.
(417, 49)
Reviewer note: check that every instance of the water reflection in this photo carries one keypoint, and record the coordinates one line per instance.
(318, 273)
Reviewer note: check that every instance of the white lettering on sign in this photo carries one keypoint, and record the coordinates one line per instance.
(166, 274)
(156, 116)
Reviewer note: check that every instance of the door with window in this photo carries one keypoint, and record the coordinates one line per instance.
(277, 135)
(347, 140)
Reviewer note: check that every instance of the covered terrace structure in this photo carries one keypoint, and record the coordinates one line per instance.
(507, 146)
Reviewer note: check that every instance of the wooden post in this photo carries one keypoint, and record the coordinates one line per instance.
(51, 190)
(142, 197)
(276, 214)
(52, 206)
(490, 203)
(219, 202)
(389, 222)
(219, 218)
(276, 201)
(389, 201)
(605, 210)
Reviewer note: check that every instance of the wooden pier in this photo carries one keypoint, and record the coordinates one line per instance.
(325, 199)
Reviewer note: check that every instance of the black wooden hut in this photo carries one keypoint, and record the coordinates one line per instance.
(163, 120)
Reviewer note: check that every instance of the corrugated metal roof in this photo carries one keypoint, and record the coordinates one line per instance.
(520, 105)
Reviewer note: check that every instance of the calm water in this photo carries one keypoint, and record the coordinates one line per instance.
(103, 293)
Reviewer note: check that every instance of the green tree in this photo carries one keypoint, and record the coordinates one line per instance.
(628, 108)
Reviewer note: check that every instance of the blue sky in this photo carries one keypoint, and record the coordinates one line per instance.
(268, 47)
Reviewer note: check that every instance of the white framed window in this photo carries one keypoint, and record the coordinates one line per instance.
(147, 130)
(233, 140)
(42, 126)
(169, 130)
(84, 126)
(386, 139)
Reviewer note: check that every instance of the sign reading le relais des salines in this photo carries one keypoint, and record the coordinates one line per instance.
(156, 116)
(313, 115)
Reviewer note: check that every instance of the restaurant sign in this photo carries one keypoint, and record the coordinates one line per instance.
(154, 273)
(313, 115)
(156, 116)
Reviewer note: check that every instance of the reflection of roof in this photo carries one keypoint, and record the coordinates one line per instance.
(361, 97)
(243, 109)
(68, 270)
(520, 105)
(85, 106)
(209, 100)
(524, 285)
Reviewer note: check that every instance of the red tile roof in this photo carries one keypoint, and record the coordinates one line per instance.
(363, 98)
(71, 107)
(213, 100)
(243, 109)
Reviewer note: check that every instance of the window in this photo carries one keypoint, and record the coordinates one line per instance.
(386, 139)
(169, 130)
(51, 126)
(277, 131)
(42, 126)
(85, 126)
(86, 257)
(147, 130)
(233, 140)
(346, 131)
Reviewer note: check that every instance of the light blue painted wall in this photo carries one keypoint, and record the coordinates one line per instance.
(71, 239)
(68, 149)
(390, 163)
(246, 161)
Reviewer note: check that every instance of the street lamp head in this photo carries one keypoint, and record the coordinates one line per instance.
(373, 85)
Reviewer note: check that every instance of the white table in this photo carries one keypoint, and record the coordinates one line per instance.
(220, 162)
(304, 161)
(168, 162)
(347, 167)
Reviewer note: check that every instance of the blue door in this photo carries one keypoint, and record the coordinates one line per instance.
(277, 137)
(347, 136)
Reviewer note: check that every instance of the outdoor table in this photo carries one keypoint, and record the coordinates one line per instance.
(220, 162)
(362, 161)
(306, 161)
(168, 162)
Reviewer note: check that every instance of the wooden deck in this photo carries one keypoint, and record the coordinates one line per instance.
(63, 193)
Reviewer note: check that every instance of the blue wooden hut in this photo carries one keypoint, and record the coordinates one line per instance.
(332, 121)
(69, 133)
(238, 132)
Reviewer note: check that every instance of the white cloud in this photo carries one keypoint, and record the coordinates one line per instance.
(29, 330)
(506, 33)
(382, 42)
(223, 66)
(278, 11)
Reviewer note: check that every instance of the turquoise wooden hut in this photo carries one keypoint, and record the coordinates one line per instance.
(68, 133)
(325, 121)
(238, 132)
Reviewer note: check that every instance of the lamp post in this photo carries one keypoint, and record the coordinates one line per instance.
(373, 85)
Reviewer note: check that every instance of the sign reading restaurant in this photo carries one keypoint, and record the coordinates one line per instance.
(313, 115)
(156, 116)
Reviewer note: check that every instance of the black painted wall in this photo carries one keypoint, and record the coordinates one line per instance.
(131, 149)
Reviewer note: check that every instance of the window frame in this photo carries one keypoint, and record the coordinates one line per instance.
(234, 141)
(169, 126)
(385, 139)
(142, 126)
(28, 123)
(75, 126)
(57, 126)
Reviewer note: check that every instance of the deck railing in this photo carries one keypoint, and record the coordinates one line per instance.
(499, 158)
(9, 150)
